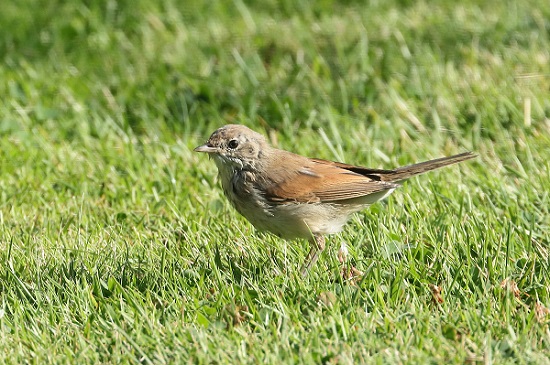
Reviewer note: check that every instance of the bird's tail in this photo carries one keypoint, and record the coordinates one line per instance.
(405, 172)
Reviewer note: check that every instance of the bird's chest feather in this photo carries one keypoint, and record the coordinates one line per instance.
(239, 187)
(287, 220)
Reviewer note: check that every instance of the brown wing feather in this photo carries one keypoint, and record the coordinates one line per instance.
(374, 174)
(316, 180)
(323, 181)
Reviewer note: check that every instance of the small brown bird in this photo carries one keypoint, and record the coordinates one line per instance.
(294, 196)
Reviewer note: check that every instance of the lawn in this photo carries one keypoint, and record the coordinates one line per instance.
(118, 246)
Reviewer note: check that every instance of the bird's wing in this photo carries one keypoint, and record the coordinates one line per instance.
(374, 174)
(316, 180)
(324, 181)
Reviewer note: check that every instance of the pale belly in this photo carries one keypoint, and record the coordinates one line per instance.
(297, 220)
(302, 220)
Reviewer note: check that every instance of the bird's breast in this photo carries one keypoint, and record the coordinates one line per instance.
(288, 220)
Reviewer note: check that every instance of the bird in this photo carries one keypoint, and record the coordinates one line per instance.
(297, 197)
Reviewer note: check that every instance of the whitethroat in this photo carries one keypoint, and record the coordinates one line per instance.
(293, 196)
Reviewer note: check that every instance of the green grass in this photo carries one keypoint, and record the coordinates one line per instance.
(117, 245)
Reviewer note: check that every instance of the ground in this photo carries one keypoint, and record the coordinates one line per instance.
(118, 246)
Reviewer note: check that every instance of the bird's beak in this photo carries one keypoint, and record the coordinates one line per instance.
(206, 148)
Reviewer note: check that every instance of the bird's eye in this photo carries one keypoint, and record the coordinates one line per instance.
(233, 144)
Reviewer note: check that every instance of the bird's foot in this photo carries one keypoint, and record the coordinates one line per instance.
(351, 274)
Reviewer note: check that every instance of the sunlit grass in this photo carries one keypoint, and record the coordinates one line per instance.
(118, 246)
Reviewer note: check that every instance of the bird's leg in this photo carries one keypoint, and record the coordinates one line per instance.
(343, 253)
(317, 245)
(352, 273)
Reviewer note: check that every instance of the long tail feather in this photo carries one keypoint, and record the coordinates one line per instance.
(405, 172)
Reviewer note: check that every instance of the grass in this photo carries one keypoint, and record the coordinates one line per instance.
(117, 245)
